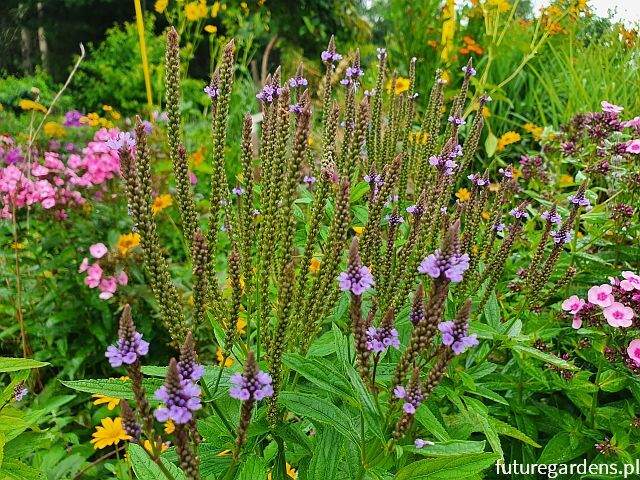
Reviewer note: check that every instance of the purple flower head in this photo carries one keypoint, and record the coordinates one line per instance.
(478, 179)
(551, 216)
(356, 278)
(237, 191)
(416, 210)
(124, 139)
(412, 395)
(212, 90)
(309, 179)
(579, 199)
(252, 384)
(188, 367)
(130, 346)
(444, 164)
(456, 121)
(455, 332)
(269, 93)
(180, 398)
(382, 53)
(446, 263)
(419, 443)
(561, 237)
(352, 75)
(393, 219)
(296, 108)
(379, 339)
(298, 82)
(19, 392)
(498, 227)
(256, 212)
(370, 93)
(72, 119)
(519, 212)
(507, 172)
(470, 71)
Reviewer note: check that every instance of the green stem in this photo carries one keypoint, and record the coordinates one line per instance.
(223, 418)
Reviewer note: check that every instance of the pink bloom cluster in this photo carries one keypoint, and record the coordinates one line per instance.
(618, 302)
(58, 181)
(107, 284)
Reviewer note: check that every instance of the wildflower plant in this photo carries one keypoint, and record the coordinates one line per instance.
(381, 323)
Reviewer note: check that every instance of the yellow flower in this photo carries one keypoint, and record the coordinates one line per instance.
(291, 473)
(402, 85)
(161, 202)
(115, 115)
(18, 246)
(516, 173)
(501, 5)
(194, 11)
(418, 137)
(240, 325)
(463, 195)
(169, 427)
(244, 6)
(127, 241)
(110, 401)
(507, 139)
(54, 129)
(31, 105)
(227, 363)
(110, 433)
(214, 9)
(311, 141)
(485, 215)
(1, 107)
(159, 446)
(223, 453)
(315, 265)
(534, 130)
(358, 230)
(210, 28)
(160, 6)
(485, 112)
(566, 179)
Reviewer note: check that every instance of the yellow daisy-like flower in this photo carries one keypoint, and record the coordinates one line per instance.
(194, 11)
(54, 129)
(566, 179)
(311, 140)
(358, 230)
(516, 173)
(110, 433)
(18, 246)
(240, 325)
(159, 446)
(402, 85)
(127, 241)
(169, 427)
(534, 130)
(315, 265)
(485, 112)
(110, 401)
(161, 202)
(214, 9)
(507, 139)
(485, 215)
(161, 6)
(463, 195)
(210, 29)
(31, 105)
(228, 362)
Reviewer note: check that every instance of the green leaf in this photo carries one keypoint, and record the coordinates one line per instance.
(490, 144)
(545, 357)
(447, 449)
(253, 467)
(504, 428)
(16, 364)
(115, 388)
(492, 311)
(429, 421)
(612, 381)
(476, 407)
(319, 410)
(564, 447)
(147, 469)
(321, 372)
(13, 469)
(326, 456)
(447, 468)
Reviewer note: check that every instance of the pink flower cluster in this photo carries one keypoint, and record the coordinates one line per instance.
(632, 146)
(618, 301)
(58, 181)
(96, 277)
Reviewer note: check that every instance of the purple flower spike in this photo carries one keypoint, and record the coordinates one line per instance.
(412, 395)
(383, 337)
(455, 333)
(124, 139)
(356, 278)
(250, 385)
(180, 397)
(561, 237)
(552, 217)
(130, 346)
(453, 267)
(212, 90)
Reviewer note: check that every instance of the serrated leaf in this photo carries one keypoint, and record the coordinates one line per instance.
(447, 449)
(545, 357)
(253, 467)
(13, 469)
(115, 388)
(504, 428)
(15, 364)
(326, 455)
(321, 372)
(319, 410)
(147, 469)
(429, 421)
(492, 311)
(447, 468)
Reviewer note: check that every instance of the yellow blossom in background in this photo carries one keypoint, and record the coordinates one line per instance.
(31, 105)
(311, 141)
(228, 362)
(244, 6)
(418, 137)
(95, 120)
(534, 130)
(160, 6)
(402, 85)
(110, 433)
(18, 246)
(214, 9)
(161, 202)
(210, 29)
(54, 129)
(358, 230)
(169, 427)
(448, 29)
(1, 107)
(566, 179)
(194, 11)
(463, 195)
(485, 215)
(291, 473)
(507, 139)
(110, 401)
(485, 112)
(315, 265)
(500, 5)
(516, 173)
(127, 241)
(159, 446)
(240, 325)
(470, 45)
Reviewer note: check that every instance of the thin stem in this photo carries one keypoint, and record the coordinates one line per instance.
(96, 462)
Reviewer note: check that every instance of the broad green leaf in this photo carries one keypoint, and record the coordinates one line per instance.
(115, 388)
(564, 447)
(252, 468)
(480, 411)
(147, 469)
(492, 311)
(545, 357)
(612, 381)
(504, 428)
(319, 410)
(16, 364)
(447, 468)
(447, 449)
(326, 456)
(321, 372)
(429, 421)
(13, 469)
(490, 144)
